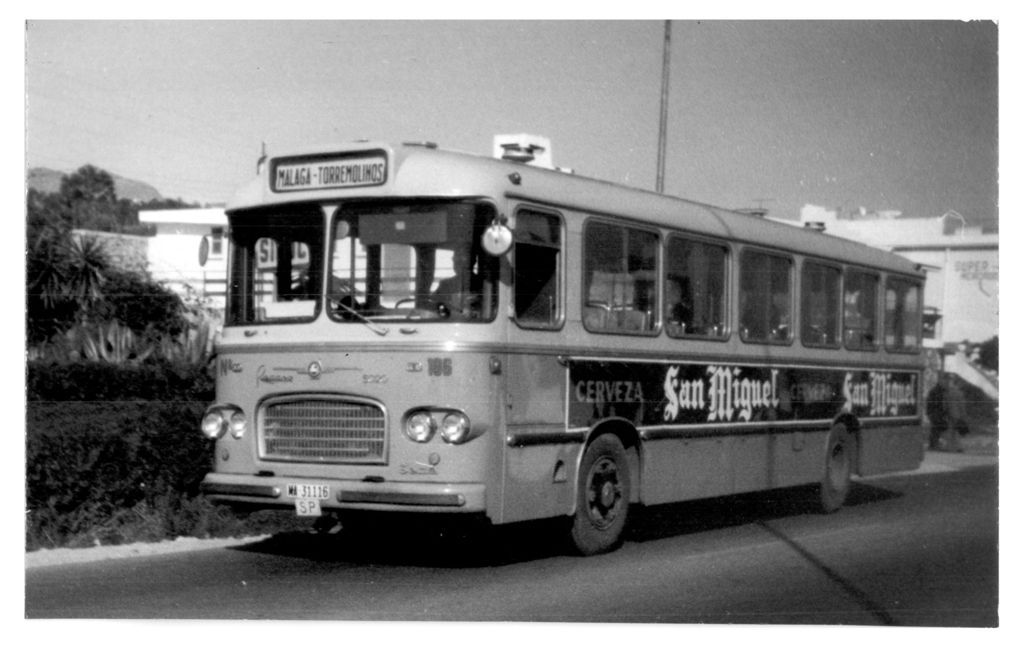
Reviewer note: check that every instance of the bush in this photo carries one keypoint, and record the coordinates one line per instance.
(90, 462)
(153, 381)
(112, 452)
(70, 280)
(141, 304)
(113, 455)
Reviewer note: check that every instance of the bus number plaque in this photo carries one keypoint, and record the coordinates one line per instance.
(439, 366)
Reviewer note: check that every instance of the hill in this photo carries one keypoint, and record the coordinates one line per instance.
(48, 181)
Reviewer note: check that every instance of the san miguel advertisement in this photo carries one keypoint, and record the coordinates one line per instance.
(649, 393)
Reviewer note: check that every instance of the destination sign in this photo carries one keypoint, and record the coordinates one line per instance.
(328, 173)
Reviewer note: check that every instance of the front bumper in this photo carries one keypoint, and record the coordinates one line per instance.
(272, 492)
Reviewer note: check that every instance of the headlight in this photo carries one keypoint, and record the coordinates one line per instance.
(236, 423)
(213, 424)
(219, 419)
(455, 427)
(420, 427)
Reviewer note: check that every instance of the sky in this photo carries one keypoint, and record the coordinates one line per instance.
(884, 115)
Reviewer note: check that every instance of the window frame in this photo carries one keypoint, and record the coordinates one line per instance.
(909, 283)
(560, 286)
(727, 270)
(744, 253)
(218, 241)
(847, 271)
(346, 208)
(243, 287)
(838, 309)
(655, 329)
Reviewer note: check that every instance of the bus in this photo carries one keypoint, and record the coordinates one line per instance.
(415, 330)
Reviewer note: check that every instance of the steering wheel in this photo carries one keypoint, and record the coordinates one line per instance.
(442, 309)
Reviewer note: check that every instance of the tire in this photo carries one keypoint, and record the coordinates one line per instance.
(602, 497)
(839, 457)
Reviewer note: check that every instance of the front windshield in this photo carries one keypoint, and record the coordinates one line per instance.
(384, 262)
(419, 261)
(276, 266)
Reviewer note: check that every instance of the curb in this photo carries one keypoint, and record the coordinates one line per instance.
(65, 556)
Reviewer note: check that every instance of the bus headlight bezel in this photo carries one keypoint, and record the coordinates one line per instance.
(420, 426)
(212, 425)
(223, 418)
(455, 427)
(237, 423)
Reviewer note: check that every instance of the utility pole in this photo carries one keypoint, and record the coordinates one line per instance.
(663, 122)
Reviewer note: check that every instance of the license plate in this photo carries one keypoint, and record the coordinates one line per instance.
(308, 508)
(309, 491)
(308, 498)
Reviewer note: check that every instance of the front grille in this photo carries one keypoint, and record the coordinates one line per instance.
(328, 430)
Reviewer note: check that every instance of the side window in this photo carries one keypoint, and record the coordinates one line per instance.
(860, 310)
(217, 242)
(538, 259)
(695, 283)
(619, 279)
(766, 302)
(902, 315)
(819, 305)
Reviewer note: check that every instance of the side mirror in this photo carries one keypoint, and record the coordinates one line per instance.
(497, 238)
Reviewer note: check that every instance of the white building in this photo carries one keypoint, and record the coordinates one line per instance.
(174, 251)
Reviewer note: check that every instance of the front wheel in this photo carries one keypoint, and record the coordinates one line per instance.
(602, 497)
(835, 483)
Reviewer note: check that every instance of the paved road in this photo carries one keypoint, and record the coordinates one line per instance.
(914, 549)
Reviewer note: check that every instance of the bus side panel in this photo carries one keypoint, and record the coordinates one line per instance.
(887, 449)
(798, 458)
(538, 479)
(536, 390)
(752, 468)
(681, 469)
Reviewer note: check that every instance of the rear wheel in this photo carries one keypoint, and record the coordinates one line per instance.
(835, 483)
(602, 497)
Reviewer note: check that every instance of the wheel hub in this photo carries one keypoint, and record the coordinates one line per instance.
(604, 493)
(607, 495)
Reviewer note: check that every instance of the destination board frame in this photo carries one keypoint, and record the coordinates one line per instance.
(329, 171)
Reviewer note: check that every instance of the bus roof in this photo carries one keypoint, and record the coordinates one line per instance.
(415, 169)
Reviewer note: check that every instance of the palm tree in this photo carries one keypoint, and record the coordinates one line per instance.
(63, 267)
(45, 267)
(85, 271)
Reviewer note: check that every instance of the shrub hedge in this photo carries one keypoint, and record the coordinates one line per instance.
(157, 381)
(113, 455)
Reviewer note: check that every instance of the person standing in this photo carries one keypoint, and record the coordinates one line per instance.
(946, 413)
(956, 414)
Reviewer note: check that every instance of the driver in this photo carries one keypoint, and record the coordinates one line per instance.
(462, 291)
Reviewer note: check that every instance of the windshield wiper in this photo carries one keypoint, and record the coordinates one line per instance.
(370, 324)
